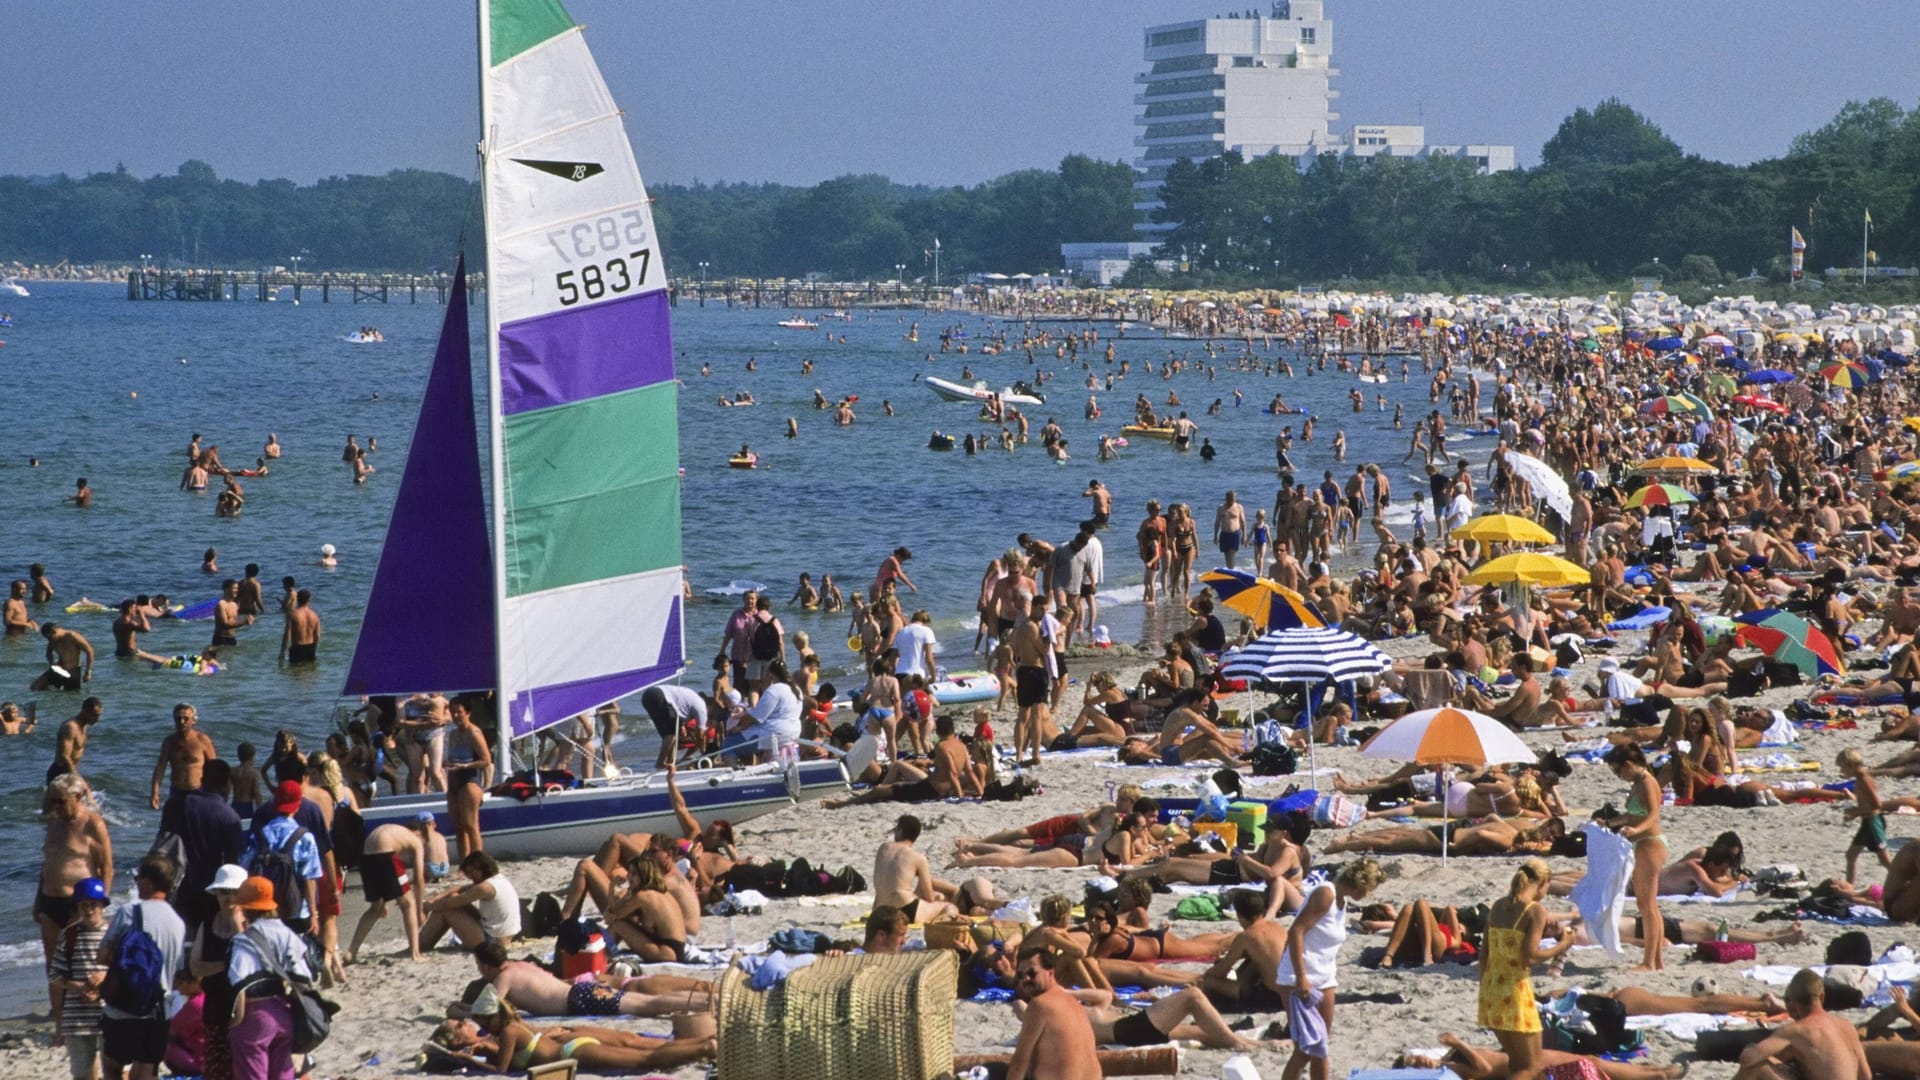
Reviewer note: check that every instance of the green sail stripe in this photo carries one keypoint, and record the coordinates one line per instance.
(594, 490)
(518, 25)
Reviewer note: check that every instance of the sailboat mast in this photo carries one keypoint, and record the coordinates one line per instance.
(496, 444)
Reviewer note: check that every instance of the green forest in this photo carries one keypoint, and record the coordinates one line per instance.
(1612, 195)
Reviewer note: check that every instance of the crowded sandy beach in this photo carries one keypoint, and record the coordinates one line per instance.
(1656, 630)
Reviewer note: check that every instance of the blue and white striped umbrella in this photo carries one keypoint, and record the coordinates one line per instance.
(1306, 654)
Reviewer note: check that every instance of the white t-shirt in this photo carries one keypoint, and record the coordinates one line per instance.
(913, 641)
(1459, 511)
(500, 915)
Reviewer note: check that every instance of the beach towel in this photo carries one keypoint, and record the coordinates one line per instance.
(1602, 894)
(1781, 732)
(1651, 617)
(1684, 1026)
(1305, 1025)
(1782, 974)
(766, 972)
(1702, 898)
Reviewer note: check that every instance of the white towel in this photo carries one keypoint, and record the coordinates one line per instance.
(1602, 894)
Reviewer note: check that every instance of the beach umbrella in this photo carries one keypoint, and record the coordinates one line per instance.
(1906, 470)
(1667, 344)
(1310, 655)
(1667, 404)
(1271, 605)
(1545, 481)
(1659, 495)
(1672, 464)
(1768, 375)
(1721, 382)
(1503, 529)
(1788, 638)
(1757, 401)
(1846, 374)
(1447, 736)
(1715, 339)
(1529, 568)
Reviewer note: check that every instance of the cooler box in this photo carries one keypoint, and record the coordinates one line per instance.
(581, 947)
(1225, 830)
(1250, 818)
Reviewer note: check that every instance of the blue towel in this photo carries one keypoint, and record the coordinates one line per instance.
(766, 972)
(1307, 1027)
(1649, 617)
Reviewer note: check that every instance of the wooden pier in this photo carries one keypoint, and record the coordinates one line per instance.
(266, 285)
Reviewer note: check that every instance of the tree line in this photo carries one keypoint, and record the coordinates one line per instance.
(1612, 196)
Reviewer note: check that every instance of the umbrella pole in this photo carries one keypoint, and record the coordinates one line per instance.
(1313, 768)
(1446, 834)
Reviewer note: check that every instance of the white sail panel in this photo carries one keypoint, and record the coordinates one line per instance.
(625, 616)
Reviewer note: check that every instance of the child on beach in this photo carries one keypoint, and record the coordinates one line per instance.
(76, 971)
(247, 783)
(1872, 835)
(1001, 659)
(1419, 518)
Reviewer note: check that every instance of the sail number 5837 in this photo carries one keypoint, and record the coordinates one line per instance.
(591, 282)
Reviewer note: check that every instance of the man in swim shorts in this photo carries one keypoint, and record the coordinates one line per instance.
(300, 641)
(395, 858)
(1229, 524)
(1032, 685)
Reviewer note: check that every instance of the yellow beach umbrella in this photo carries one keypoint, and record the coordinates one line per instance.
(1503, 529)
(1671, 464)
(1530, 568)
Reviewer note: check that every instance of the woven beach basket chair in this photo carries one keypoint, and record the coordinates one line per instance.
(854, 1016)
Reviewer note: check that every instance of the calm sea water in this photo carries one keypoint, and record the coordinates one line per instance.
(113, 390)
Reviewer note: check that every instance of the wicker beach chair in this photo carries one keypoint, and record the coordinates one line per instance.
(868, 1015)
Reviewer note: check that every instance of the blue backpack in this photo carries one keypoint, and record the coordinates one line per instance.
(137, 978)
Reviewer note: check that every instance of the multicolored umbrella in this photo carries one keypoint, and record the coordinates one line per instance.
(1788, 638)
(1529, 568)
(1271, 605)
(1659, 495)
(1846, 374)
(1668, 404)
(1503, 529)
(1448, 736)
(1673, 464)
(1906, 470)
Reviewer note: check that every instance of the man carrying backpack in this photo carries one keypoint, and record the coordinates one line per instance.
(142, 949)
(284, 852)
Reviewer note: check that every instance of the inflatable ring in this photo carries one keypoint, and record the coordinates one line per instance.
(854, 643)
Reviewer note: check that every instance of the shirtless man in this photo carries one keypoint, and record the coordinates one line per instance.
(535, 991)
(1012, 594)
(953, 775)
(1056, 1038)
(1816, 1043)
(70, 744)
(1229, 525)
(1522, 707)
(187, 751)
(1102, 502)
(392, 863)
(227, 616)
(253, 600)
(69, 659)
(1187, 736)
(12, 722)
(300, 640)
(1243, 979)
(77, 846)
(903, 879)
(127, 628)
(1032, 684)
(42, 588)
(17, 619)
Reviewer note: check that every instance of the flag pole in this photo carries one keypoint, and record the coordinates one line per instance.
(1866, 227)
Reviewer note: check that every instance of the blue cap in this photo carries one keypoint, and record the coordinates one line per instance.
(90, 889)
(424, 817)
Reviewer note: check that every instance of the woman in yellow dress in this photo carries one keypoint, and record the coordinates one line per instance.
(1506, 963)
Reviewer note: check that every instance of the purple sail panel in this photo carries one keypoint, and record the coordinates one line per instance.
(429, 620)
(552, 704)
(579, 353)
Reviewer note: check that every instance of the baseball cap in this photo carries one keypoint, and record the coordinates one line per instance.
(90, 889)
(424, 817)
(286, 797)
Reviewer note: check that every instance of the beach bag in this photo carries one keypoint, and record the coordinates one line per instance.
(765, 643)
(1338, 811)
(174, 849)
(949, 931)
(1723, 952)
(137, 979)
(277, 865)
(312, 1014)
(1274, 759)
(1851, 948)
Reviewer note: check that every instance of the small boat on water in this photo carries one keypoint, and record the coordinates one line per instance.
(743, 461)
(1140, 431)
(1017, 394)
(555, 568)
(798, 323)
(8, 285)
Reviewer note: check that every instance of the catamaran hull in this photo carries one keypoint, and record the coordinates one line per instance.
(578, 821)
(953, 391)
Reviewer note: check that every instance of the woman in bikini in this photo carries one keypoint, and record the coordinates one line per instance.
(1111, 941)
(1640, 823)
(1493, 837)
(1418, 934)
(1183, 542)
(1098, 724)
(498, 1040)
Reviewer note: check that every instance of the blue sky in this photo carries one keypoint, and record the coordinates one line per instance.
(949, 93)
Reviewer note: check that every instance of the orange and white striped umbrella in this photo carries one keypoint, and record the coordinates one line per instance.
(1448, 736)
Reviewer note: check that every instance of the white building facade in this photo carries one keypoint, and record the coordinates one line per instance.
(1259, 84)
